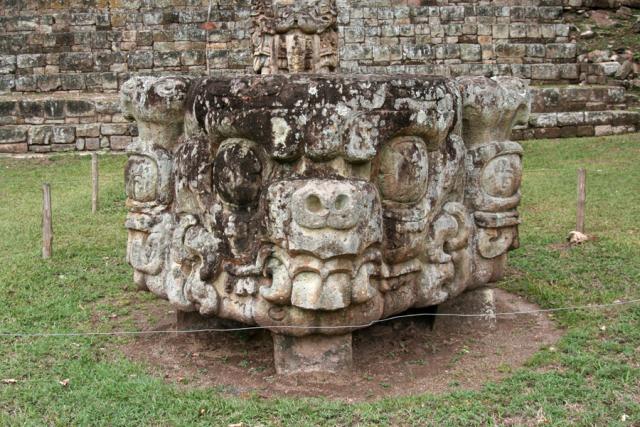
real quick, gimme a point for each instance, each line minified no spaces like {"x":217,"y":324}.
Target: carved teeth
{"x":318,"y":285}
{"x":245,"y":286}
{"x":310,"y":291}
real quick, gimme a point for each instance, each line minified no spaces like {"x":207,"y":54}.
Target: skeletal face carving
{"x":307,"y":200}
{"x":501,"y":176}
{"x":336,"y":183}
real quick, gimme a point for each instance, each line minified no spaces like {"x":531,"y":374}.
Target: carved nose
{"x":315,"y":205}
{"x":326,"y":207}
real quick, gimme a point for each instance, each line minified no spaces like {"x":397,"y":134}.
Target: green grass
{"x":591,"y":377}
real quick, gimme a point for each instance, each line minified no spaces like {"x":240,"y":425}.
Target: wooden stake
{"x":582,"y":198}
{"x":47,"y":225}
{"x":94,"y":181}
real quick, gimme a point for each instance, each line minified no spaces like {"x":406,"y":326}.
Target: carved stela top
{"x":300,"y":201}
{"x":294,"y":36}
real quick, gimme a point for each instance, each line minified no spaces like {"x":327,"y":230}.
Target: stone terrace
{"x":62,"y":62}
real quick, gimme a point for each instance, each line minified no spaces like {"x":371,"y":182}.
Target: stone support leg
{"x":478,"y":301}
{"x":312,"y":353}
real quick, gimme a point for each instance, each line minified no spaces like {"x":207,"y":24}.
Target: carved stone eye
{"x":404,"y":169}
{"x":502,"y":175}
{"x":237,"y":173}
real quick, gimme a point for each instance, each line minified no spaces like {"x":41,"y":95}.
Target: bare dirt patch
{"x":397,"y":358}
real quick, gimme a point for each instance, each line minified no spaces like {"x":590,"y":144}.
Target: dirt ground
{"x":397,"y":358}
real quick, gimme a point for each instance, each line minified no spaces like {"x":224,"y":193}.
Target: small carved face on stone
{"x":494,"y":176}
{"x":501,"y":176}
{"x":493,"y":189}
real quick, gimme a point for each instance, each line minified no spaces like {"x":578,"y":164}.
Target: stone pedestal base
{"x":313,"y":353}
{"x":478,"y":301}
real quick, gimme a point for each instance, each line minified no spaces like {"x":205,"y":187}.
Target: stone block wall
{"x":594,"y":4}
{"x":62,"y":62}
{"x":95,"y":45}
{"x":63,"y":122}
{"x":575,"y":111}
{"x":528,"y":40}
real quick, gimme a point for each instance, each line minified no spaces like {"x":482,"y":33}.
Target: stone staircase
{"x":575,"y":111}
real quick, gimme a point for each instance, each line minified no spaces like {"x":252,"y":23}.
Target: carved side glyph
{"x":491,"y":108}
{"x":157,"y":105}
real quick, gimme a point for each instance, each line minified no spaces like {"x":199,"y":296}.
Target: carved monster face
{"x":299,"y":202}
{"x":322,"y":194}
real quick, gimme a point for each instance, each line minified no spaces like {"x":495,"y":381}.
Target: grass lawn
{"x":592,"y":377}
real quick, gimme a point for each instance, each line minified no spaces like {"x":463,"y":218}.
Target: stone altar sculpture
{"x":313,"y":205}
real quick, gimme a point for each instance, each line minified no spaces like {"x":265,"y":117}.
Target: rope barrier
{"x":117,"y":179}
{"x":254,"y":328}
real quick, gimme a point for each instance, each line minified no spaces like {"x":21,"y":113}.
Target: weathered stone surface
{"x":88,"y":130}
{"x":114,"y":129}
{"x":610,"y":68}
{"x":312,"y":353}
{"x":313,"y":205}
{"x":14,"y":148}
{"x":13,"y":134}
{"x":119,"y":143}
{"x":63,"y":134}
{"x":41,"y":135}
{"x":475,"y":307}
